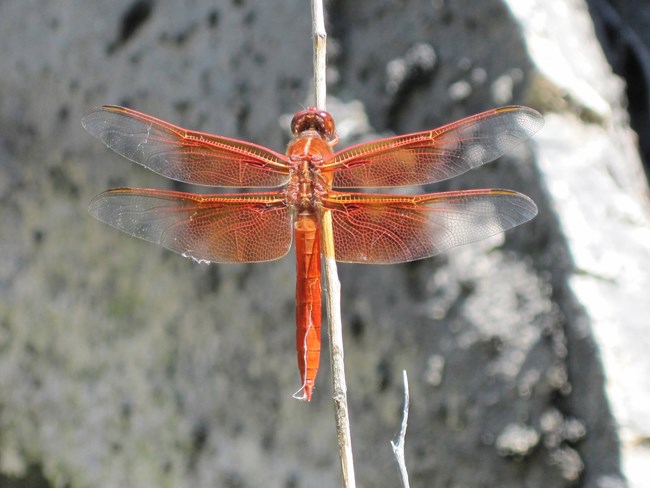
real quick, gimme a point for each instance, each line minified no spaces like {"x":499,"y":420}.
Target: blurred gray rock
{"x":122,"y":364}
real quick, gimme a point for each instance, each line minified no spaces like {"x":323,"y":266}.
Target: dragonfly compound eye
{"x":313,"y":119}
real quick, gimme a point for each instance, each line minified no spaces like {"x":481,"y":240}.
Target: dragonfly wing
{"x":385,"y":229}
{"x":183,"y":155}
{"x":435,"y":155}
{"x":241,"y":228}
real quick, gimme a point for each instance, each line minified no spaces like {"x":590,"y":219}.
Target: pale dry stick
{"x":332,"y":284}
{"x":398,"y":443}
{"x":320,"y":52}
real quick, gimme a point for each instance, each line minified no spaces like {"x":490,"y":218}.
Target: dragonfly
{"x":305,"y":183}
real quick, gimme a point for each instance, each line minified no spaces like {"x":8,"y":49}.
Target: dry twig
{"x":398,"y":443}
{"x":332,"y":284}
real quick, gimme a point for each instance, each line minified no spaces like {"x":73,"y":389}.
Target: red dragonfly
{"x":255,"y":227}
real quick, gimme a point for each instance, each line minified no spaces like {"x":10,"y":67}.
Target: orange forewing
{"x":435,"y":155}
{"x":184,"y":155}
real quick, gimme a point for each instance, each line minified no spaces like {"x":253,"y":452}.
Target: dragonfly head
{"x":314,"y":119}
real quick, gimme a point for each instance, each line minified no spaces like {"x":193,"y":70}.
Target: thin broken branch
{"x":398,"y":443}
{"x":332,"y":284}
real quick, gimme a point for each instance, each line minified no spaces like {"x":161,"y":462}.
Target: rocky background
{"x":124,"y":365}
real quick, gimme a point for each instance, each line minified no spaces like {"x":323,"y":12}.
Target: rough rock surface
{"x":122,"y":364}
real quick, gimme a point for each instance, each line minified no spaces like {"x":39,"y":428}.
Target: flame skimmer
{"x":255,"y":227}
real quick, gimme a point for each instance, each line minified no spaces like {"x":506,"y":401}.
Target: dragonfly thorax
{"x":307,"y":184}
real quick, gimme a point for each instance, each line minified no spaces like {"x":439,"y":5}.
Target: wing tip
{"x":96,"y":203}
{"x":91,"y":117}
{"x":526,"y":209}
{"x":534,"y":119}
{"x":88,"y":119}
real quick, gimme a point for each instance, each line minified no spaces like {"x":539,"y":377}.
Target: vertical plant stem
{"x":319,"y":35}
{"x":398,"y":443}
{"x":332,"y":284}
{"x":339,"y":388}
